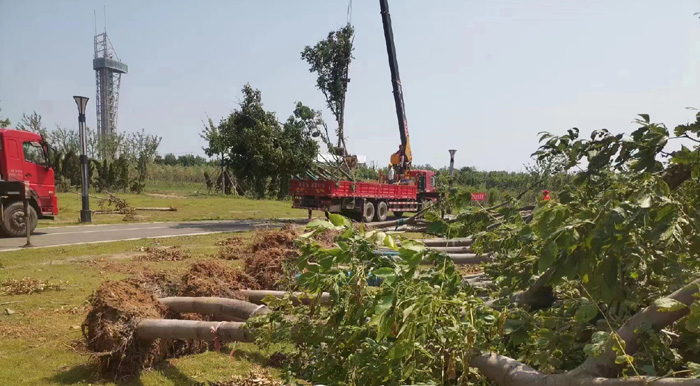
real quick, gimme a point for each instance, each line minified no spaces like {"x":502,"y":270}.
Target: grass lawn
{"x":39,"y":341}
{"x":189,"y":207}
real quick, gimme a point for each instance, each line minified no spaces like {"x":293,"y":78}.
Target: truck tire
{"x":368,"y":213}
{"x":13,"y":223}
{"x":382,"y":210}
{"x":398,"y":214}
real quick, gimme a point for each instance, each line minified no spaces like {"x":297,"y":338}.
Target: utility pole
{"x":452,"y":167}
{"x":85,"y":214}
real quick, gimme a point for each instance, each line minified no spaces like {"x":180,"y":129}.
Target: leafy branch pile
{"x":599,"y":285}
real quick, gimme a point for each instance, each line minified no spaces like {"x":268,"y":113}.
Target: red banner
{"x":478,"y":196}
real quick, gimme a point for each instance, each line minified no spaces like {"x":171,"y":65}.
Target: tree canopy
{"x":330,"y":60}
{"x":262,"y":153}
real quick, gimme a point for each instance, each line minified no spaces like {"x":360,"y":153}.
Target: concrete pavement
{"x":89,"y":234}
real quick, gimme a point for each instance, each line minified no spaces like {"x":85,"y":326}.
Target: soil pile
{"x":214,"y":278}
{"x":160,"y":284}
{"x":326,"y":237}
{"x":269,"y":254}
{"x":116,"y":308}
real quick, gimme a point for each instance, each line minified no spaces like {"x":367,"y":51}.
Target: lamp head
{"x":81,"y":101}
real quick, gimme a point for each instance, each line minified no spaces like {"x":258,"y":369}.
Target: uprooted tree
{"x":598,"y":286}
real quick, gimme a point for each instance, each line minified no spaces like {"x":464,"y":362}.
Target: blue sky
{"x":483,"y":77}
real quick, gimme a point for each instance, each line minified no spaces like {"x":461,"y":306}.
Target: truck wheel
{"x":398,"y":214}
{"x":368,"y":214}
{"x":13,"y":223}
{"x":382,"y":210}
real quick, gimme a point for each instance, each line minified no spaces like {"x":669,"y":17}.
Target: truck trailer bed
{"x":343,"y":189}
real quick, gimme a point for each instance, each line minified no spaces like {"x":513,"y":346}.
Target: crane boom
{"x":405,"y":156}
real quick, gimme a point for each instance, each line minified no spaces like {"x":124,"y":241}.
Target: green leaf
{"x":408,"y":311}
{"x":512,"y":325}
{"x":694,"y":369}
{"x":318,"y":223}
{"x":624,"y":359}
{"x":692,"y":322}
{"x":386,"y":274}
{"x":305,"y":279}
{"x":586,"y":312}
{"x":410,"y":257}
{"x":548,"y":256}
{"x":384,"y":303}
{"x":645,"y":202}
{"x":413,"y":245}
{"x":390,"y":243}
{"x":668,"y":305}
{"x":401,"y":349}
{"x":597,"y":345}
{"x":339,"y":220}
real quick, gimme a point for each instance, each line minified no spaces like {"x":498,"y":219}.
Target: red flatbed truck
{"x":24,"y":161}
{"x":372,"y":200}
{"x":367,"y":201}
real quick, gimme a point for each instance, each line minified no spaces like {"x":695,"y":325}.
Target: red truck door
{"x":14,"y":160}
{"x":36,"y":171}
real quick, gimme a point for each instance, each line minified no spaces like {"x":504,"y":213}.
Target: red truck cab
{"x":24,"y":158}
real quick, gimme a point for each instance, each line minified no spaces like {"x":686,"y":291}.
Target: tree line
{"x":118,"y":162}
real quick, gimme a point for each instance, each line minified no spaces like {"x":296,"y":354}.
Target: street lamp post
{"x":452,"y":167}
{"x":85,"y":214}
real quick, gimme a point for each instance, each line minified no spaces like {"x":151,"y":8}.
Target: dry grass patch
{"x":29,"y":285}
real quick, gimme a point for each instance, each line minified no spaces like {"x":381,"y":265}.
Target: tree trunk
{"x":238,"y":309}
{"x":468,"y":258}
{"x":461,"y":242}
{"x":452,"y":249}
{"x":256,"y":296}
{"x":604,"y":365}
{"x":506,"y":371}
{"x":169,"y":329}
{"x":395,"y":223}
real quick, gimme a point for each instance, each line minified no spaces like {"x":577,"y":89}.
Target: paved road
{"x":86,"y":234}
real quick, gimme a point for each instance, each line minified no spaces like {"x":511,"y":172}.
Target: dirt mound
{"x":283,"y":238}
{"x":269,"y":254}
{"x":214,"y":278}
{"x":234,"y":240}
{"x":163,"y":254}
{"x":116,"y":308}
{"x":264,"y":256}
{"x":326,"y":237}
{"x":160,"y":284}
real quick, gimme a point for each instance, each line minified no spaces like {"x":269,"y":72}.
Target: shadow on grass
{"x":88,"y":373}
{"x":85,"y":373}
{"x":252,"y":356}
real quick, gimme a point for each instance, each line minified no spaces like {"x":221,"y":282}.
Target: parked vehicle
{"x":24,"y":158}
